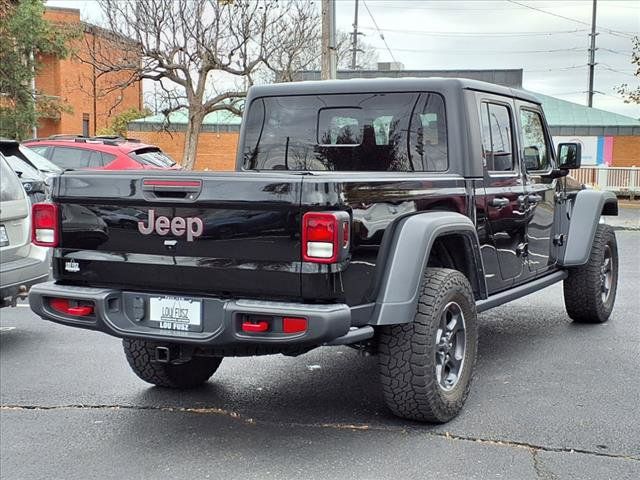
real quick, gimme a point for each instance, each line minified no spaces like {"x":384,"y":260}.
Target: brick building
{"x":78,"y":85}
{"x":217,"y":142}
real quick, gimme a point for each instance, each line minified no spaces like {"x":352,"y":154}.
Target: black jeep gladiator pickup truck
{"x":383,"y":214}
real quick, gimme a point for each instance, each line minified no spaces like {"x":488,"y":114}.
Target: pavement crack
{"x":197,"y":410}
{"x":533,"y":448}
{"x":539,"y":468}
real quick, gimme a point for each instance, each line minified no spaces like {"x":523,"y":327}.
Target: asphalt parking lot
{"x":550,"y":400}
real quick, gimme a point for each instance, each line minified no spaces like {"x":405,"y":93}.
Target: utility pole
{"x":34,"y":94}
{"x":354,"y":42}
{"x":592,"y":55}
{"x":328,"y":40}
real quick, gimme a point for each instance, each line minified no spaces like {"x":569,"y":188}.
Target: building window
{"x":85,"y":124}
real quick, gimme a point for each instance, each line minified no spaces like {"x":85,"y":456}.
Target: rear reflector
{"x":63,"y":305}
{"x":44,"y":224}
{"x":294,"y":325}
{"x":254,"y":327}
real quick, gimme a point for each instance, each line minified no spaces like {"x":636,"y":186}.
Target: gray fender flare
{"x":584,"y":218}
{"x":407,"y":259}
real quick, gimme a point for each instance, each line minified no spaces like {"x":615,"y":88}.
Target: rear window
{"x":355,"y":132}
{"x":10,"y":186}
{"x":153,"y":156}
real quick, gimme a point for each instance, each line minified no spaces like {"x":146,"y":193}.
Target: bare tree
{"x":300,"y":50}
{"x":299,"y":42}
{"x":204,"y":54}
{"x":630,"y":93}
{"x":367,"y":56}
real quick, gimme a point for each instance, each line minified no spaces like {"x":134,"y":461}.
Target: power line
{"x":483,"y":51}
{"x":626,"y":53}
{"x":611,"y":31}
{"x":379,"y":31}
{"x":607,"y":67}
{"x":480,"y":34}
{"x":559,"y":69}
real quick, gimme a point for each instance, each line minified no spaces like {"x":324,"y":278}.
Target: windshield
{"x":347,"y":132}
{"x":154,"y":157}
{"x":22,"y":168}
{"x":38,"y":161}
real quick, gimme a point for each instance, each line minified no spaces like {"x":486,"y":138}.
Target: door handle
{"x":499,"y":202}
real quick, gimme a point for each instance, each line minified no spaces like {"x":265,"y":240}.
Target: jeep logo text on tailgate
{"x":178,"y":226}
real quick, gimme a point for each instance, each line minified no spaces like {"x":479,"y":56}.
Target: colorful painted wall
{"x":607,"y":151}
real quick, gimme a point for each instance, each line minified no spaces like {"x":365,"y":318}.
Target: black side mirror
{"x":569,"y":156}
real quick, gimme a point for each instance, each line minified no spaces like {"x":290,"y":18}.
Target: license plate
{"x":4,"y":238}
{"x":176,"y":313}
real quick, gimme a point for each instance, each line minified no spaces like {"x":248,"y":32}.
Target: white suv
{"x":21,"y":263}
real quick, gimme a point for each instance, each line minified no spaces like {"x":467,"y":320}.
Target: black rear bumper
{"x":221,"y":319}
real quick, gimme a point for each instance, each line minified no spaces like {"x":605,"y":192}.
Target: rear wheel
{"x":141,"y":357}
{"x":426,"y":365}
{"x":590,"y":289}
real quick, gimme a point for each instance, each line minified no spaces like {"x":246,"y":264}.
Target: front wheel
{"x":590,"y":289}
{"x":426,"y":365}
{"x":141,"y":358}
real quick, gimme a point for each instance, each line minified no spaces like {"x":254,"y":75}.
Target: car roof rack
{"x":112,"y":140}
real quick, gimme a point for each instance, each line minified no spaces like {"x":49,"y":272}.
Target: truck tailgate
{"x":210,"y":233}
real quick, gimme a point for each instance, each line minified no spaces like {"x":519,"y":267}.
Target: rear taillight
{"x":45,"y":224}
{"x":325,"y":236}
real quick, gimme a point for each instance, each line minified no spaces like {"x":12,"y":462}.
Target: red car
{"x":101,"y":153}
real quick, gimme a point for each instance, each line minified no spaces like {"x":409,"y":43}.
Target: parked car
{"x":21,"y":263}
{"x":380,"y":214}
{"x":101,"y":153}
{"x":33,"y":170}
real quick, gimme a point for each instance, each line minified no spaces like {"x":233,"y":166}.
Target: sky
{"x":548,"y":39}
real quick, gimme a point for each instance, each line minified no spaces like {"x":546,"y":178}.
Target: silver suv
{"x":21,"y":263}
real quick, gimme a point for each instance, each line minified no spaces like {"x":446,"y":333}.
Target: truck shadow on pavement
{"x":340,"y":386}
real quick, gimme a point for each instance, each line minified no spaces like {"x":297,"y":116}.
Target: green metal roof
{"x":563,"y":117}
{"x":220,"y":117}
{"x":560,"y":113}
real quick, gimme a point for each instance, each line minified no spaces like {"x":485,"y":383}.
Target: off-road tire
{"x":407,"y":352}
{"x":141,"y":354}
{"x":583,"y":288}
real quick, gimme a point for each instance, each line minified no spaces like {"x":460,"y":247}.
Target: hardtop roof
{"x":380,"y":85}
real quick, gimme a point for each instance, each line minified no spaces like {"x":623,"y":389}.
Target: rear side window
{"x":72,"y":158}
{"x":346,"y":132}
{"x":10,"y":186}
{"x":429,"y":134}
{"x":497,"y":137}
{"x":107,"y":158}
